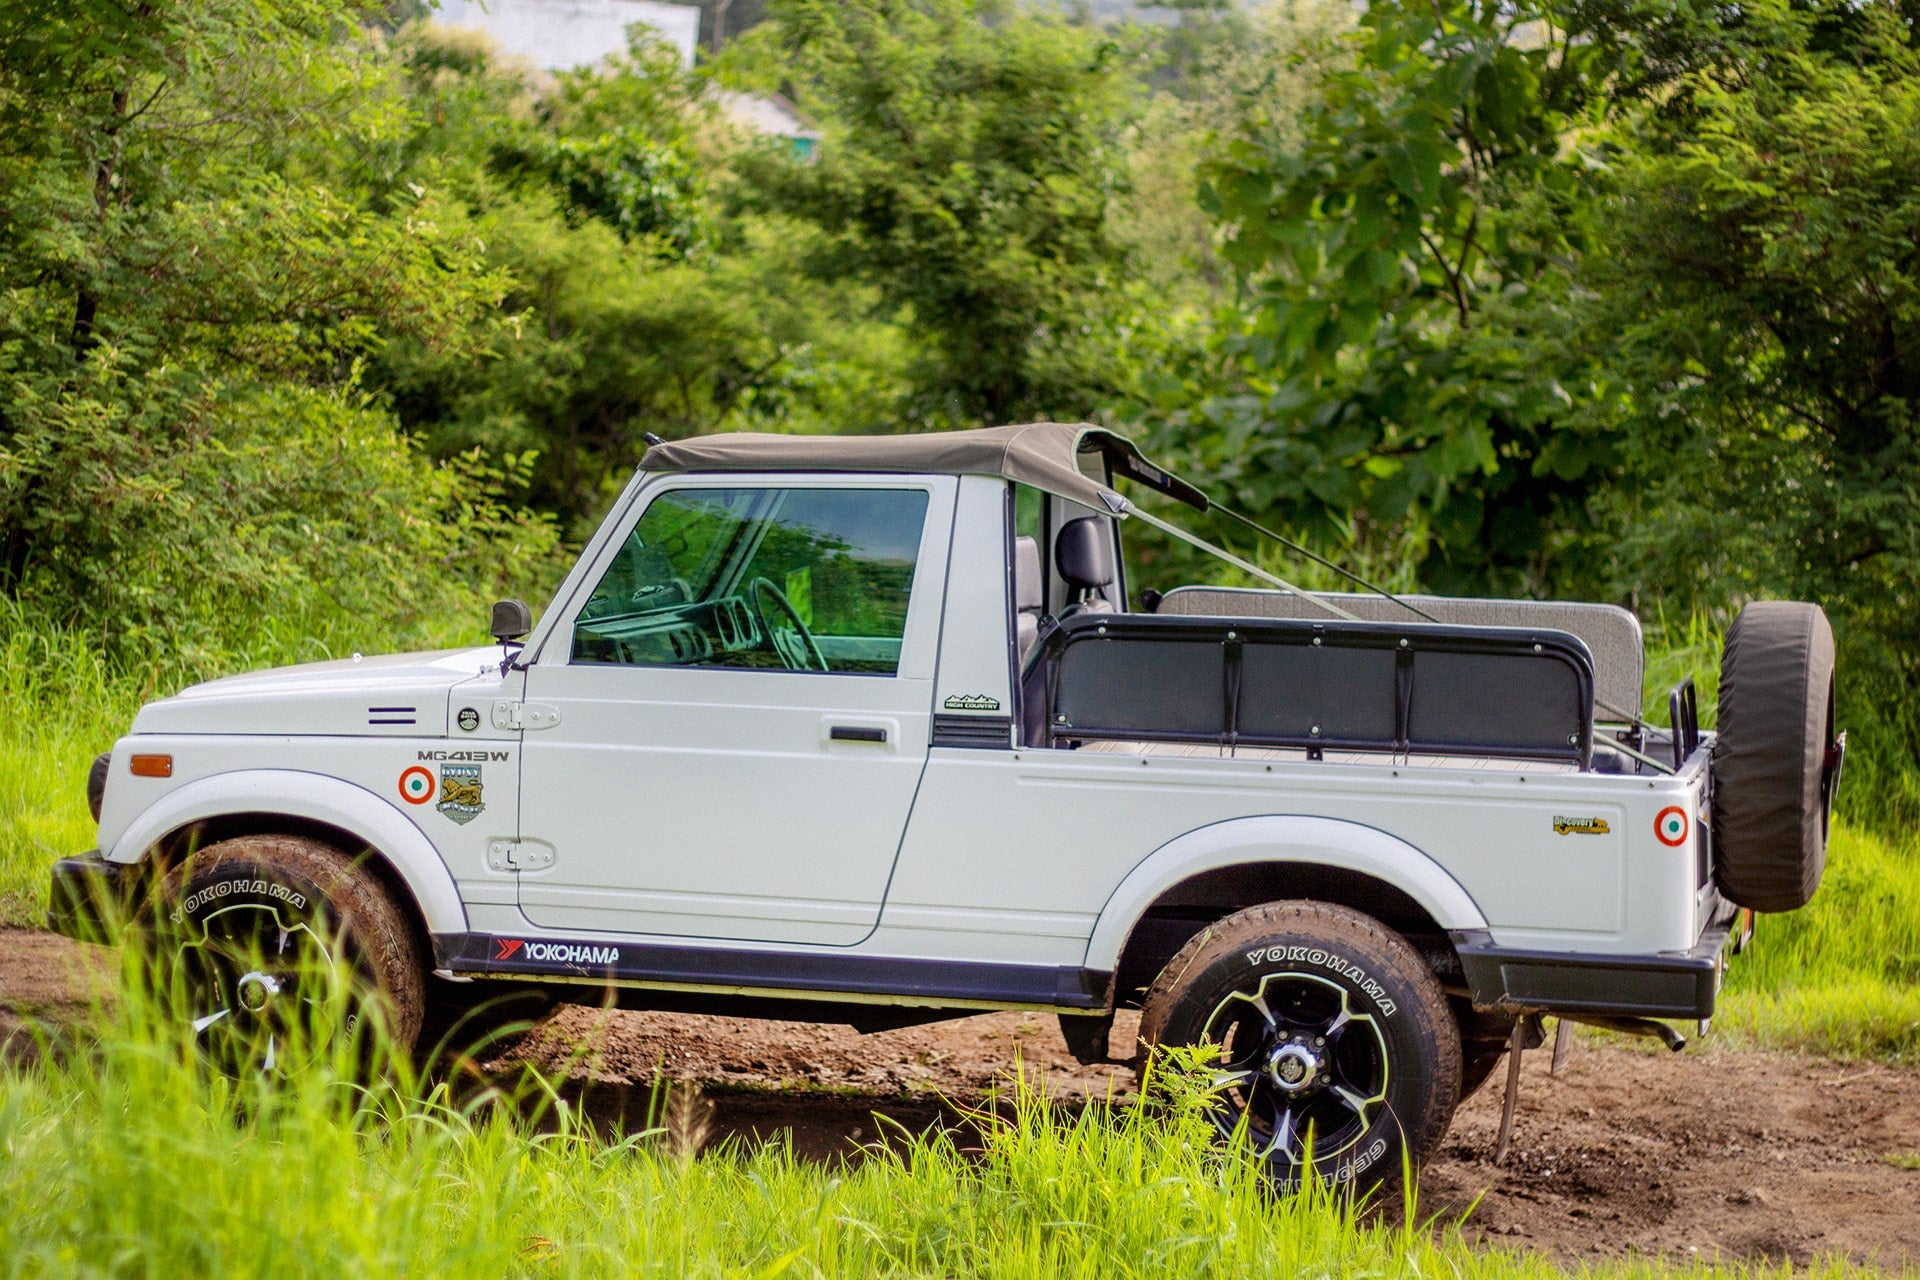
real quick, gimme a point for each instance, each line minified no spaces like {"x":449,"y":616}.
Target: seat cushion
{"x":1083,"y":552}
{"x":1028,"y":591}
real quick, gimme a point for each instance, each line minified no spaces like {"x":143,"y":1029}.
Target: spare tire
{"x":1774,"y":756}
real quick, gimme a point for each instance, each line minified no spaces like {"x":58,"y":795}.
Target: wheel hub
{"x":1300,"y":1067}
{"x":255,"y":991}
{"x":1295,"y":1067}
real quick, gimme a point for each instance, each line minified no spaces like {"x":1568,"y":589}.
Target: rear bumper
{"x":90,"y":897}
{"x":1666,"y":985}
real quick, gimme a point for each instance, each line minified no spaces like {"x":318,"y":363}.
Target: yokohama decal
{"x":1670,"y":826}
{"x":554,"y":952}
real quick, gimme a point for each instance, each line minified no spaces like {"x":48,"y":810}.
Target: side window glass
{"x":785,"y":579}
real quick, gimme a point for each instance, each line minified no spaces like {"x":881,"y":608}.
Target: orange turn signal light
{"x":151,"y":766}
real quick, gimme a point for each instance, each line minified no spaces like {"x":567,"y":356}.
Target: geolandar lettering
{"x":1348,"y":1170}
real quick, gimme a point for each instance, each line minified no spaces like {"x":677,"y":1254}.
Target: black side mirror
{"x":511,"y":620}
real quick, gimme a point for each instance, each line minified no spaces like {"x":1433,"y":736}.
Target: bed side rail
{"x":1611,"y":634}
{"x":1350,"y":686}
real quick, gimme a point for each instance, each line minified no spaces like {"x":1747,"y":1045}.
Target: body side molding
{"x":1279,"y":838}
{"x":317,"y":798}
{"x":828,"y":975}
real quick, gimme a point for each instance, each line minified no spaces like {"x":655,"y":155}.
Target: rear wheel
{"x":1337,"y":1050}
{"x":277,"y":949}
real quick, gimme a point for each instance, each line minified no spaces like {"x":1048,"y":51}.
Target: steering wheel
{"x":795,"y":644}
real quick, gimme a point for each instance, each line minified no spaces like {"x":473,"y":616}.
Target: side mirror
{"x":511,"y":620}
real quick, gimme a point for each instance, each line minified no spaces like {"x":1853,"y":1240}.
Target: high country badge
{"x":971,"y":702}
{"x":460,"y":794}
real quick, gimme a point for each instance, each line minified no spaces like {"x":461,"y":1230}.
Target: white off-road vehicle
{"x":872,"y":731}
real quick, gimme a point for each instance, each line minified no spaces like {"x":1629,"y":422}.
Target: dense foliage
{"x":1605,"y":299}
{"x":309,"y":312}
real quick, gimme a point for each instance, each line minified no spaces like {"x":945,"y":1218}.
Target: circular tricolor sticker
{"x":1670,"y":825}
{"x":416,"y":785}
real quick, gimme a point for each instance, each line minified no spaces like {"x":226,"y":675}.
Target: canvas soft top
{"x":1046,"y":455}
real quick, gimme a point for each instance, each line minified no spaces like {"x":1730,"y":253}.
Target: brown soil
{"x":1630,"y":1150}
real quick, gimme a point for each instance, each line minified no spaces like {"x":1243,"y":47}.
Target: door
{"x":743,"y":705}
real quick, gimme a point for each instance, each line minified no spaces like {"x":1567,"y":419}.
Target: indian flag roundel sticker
{"x":1670,"y":826}
{"x":416,"y":785}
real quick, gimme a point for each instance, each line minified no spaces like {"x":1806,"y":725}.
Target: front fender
{"x":1325,"y":842}
{"x":317,"y":798}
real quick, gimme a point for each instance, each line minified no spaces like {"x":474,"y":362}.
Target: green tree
{"x":970,"y":160}
{"x":1385,"y":242}
{"x":184,"y":313}
{"x":1758,"y":307}
{"x":641,"y":299}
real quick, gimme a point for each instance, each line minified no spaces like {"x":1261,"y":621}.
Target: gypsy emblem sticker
{"x":416,"y":785}
{"x":1670,"y":826}
{"x":460,"y":792}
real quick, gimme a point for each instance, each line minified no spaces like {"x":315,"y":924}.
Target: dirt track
{"x":1739,"y":1155}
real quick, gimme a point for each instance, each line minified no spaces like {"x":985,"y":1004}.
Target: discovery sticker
{"x":416,"y":785}
{"x":460,"y":792}
{"x":1580,"y":826}
{"x":1670,"y":826}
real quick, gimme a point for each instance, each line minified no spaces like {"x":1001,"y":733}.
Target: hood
{"x":392,"y":695}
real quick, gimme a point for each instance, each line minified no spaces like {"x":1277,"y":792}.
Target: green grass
{"x":62,"y":704}
{"x":61,"y":707}
{"x":128,"y":1161}
{"x":1842,"y":975}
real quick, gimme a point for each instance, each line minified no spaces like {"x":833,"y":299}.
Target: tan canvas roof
{"x":1045,"y":455}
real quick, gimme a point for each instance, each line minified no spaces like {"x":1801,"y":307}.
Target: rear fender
{"x":1325,"y":842}
{"x":316,"y":798}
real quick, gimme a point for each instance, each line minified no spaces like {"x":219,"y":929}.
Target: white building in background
{"x":561,"y":34}
{"x":770,"y":116}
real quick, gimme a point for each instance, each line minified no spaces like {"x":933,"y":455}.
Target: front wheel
{"x":1338,"y":1053}
{"x":276,"y":949}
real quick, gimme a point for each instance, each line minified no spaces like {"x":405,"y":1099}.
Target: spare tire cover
{"x":1770,"y":786}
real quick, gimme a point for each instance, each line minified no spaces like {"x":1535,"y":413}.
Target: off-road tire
{"x":1772,"y":784}
{"x":310,"y":886}
{"x":1301,"y":955}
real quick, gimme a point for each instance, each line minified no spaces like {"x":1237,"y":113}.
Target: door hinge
{"x":518,"y":855}
{"x":525,"y":715}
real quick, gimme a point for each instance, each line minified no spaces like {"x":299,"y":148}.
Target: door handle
{"x":856,"y":733}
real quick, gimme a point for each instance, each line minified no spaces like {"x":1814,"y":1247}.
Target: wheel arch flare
{"x":1218,"y":869}
{"x":259,"y":801}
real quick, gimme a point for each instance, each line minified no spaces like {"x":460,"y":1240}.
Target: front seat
{"x":1083,"y":552}
{"x":1029,"y":594}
